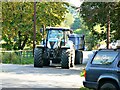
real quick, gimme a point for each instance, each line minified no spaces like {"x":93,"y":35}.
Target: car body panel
{"x":97,"y":72}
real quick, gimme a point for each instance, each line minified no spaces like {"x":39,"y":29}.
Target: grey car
{"x":103,"y":71}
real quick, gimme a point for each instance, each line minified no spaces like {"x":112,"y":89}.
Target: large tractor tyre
{"x":65,"y":59}
{"x":78,"y":57}
{"x":38,"y":61}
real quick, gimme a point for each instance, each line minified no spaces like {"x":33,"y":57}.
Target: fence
{"x":17,"y":57}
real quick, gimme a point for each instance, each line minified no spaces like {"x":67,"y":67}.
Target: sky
{"x":76,"y":3}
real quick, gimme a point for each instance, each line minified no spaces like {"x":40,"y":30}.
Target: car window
{"x":104,"y":57}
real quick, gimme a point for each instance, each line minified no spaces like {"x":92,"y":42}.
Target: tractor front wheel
{"x":78,"y":57}
{"x":38,"y":61}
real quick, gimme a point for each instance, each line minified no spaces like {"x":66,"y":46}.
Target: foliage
{"x":115,"y":25}
{"x":95,"y":13}
{"x":76,"y":24}
{"x":83,"y":88}
{"x":81,"y":28}
{"x":17,"y":25}
{"x":82,"y":73}
{"x":10,"y":57}
{"x":68,"y":20}
{"x":15,"y":58}
{"x":0,"y":57}
{"x":18,"y":21}
{"x":51,"y":13}
{"x":25,"y":60}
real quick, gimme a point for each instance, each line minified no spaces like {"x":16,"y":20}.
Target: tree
{"x":103,"y":13}
{"x":68,"y":20}
{"x":18,"y":21}
{"x":76,"y":24}
{"x":17,"y":24}
{"x":115,"y":25}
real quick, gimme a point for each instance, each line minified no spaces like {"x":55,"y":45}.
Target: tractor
{"x":60,"y":46}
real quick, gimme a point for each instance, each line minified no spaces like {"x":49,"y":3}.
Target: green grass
{"x":82,"y":74}
{"x":83,"y":88}
{"x":27,"y":60}
{"x":19,"y":61}
{"x":13,"y":58}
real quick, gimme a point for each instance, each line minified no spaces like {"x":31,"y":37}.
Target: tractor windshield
{"x":55,"y":34}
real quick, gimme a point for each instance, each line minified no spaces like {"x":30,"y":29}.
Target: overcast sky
{"x":76,"y":3}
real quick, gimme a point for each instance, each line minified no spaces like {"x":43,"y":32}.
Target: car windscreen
{"x":104,"y":57}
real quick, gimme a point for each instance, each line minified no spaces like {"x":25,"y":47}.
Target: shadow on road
{"x":46,"y":89}
{"x":30,"y":69}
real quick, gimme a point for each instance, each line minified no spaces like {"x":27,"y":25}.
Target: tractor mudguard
{"x":40,"y":46}
{"x":64,"y":47}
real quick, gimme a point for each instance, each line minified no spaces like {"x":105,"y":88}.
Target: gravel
{"x":26,"y":76}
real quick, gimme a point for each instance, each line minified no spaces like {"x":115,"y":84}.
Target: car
{"x":102,"y":72}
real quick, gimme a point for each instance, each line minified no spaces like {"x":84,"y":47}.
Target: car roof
{"x":117,"y":50}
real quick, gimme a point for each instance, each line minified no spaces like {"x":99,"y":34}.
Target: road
{"x":26,"y":76}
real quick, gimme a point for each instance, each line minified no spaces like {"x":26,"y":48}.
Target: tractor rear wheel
{"x":65,"y":59}
{"x":38,"y":61}
{"x":78,"y":57}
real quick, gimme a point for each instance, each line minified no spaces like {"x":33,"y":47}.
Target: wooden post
{"x":34,"y":31}
{"x":108,"y":31}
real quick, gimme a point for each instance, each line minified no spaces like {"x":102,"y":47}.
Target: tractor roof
{"x":58,"y":28}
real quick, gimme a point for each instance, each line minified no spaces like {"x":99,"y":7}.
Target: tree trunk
{"x":108,"y":32}
{"x":19,"y":42}
{"x":34,"y":31}
{"x":24,"y":43}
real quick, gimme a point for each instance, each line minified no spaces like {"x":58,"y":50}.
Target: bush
{"x":28,"y":60}
{"x":10,"y":57}
{"x":82,"y":72}
{"x":16,"y":58}
{"x":0,"y":57}
{"x":83,"y":88}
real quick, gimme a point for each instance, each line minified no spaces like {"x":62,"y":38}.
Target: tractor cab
{"x":56,"y":37}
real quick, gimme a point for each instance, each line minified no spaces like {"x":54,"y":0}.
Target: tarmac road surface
{"x":26,"y":76}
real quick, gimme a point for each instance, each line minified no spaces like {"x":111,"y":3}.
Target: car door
{"x":101,"y":64}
